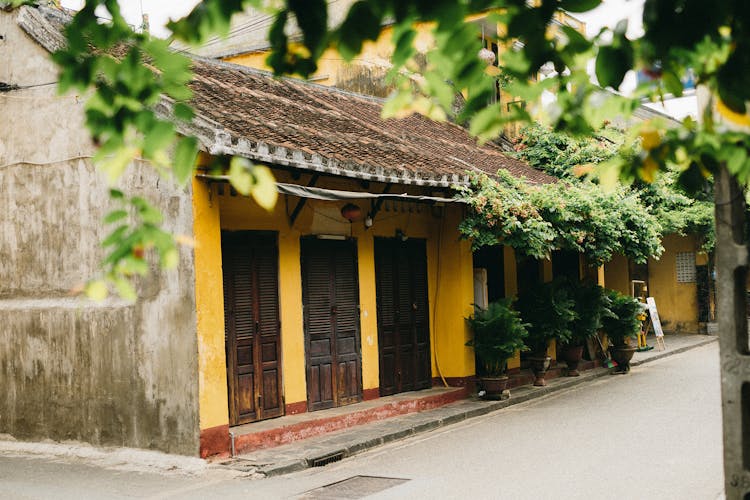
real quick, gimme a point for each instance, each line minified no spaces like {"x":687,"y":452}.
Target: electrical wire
{"x":435,"y":302}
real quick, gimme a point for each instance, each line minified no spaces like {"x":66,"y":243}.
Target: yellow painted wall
{"x":617,"y":275}
{"x":677,"y":302}
{"x":450,"y":283}
{"x":212,"y":381}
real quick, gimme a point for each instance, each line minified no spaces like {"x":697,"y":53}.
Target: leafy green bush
{"x":592,"y":305}
{"x":549,"y":310}
{"x":624,"y":323}
{"x":535,"y":220}
{"x":498,"y":334}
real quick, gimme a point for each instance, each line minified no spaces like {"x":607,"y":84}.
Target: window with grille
{"x":686,"y":267}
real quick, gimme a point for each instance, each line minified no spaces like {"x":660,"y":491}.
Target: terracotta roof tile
{"x":254,"y":106}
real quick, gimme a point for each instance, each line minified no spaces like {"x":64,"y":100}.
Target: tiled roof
{"x":290,"y":122}
{"x":320,"y":128}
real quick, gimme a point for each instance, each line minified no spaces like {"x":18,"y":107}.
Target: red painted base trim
{"x":457,"y":381}
{"x":215,"y":441}
{"x":245,"y":443}
{"x":369,"y":394}
{"x":295,"y":408}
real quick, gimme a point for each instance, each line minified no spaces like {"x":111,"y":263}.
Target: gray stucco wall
{"x":108,"y":373}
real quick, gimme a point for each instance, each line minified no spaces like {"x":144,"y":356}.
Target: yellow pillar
{"x":212,"y":381}
{"x":292,"y":337}
{"x":511,"y":289}
{"x":452,"y":302}
{"x":368,"y":312}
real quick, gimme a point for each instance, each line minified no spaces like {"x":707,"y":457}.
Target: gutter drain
{"x":327,"y":459}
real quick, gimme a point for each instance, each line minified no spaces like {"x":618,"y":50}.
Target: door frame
{"x":397,"y":348}
{"x":358,"y":336}
{"x":230,"y":351}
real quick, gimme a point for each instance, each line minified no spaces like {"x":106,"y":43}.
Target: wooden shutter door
{"x":403,"y":315}
{"x":346,"y":324}
{"x":331,"y":311}
{"x":385,"y":282}
{"x":420,"y":315}
{"x":252,"y":329}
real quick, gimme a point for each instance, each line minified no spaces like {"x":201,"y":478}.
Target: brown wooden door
{"x":252,"y":328}
{"x":330,"y":295}
{"x":403,"y":315}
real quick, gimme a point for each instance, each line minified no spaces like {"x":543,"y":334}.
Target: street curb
{"x":447,"y":415}
{"x":679,"y":350}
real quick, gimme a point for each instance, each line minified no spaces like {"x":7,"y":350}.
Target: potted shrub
{"x":498,"y":334}
{"x":591,"y":305}
{"x":621,"y":327}
{"x":549,"y":310}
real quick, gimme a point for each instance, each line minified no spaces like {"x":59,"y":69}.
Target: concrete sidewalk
{"x":332,"y":447}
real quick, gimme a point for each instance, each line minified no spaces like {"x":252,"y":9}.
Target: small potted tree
{"x":549,"y":310}
{"x":498,"y":334}
{"x":592,"y":305}
{"x":622,"y":327}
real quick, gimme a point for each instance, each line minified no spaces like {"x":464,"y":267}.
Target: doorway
{"x":403,"y":315}
{"x":330,"y":298}
{"x":251,"y":325}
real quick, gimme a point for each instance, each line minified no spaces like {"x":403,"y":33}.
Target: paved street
{"x":652,"y":434}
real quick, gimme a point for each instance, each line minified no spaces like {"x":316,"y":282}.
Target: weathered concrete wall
{"x":109,"y":373}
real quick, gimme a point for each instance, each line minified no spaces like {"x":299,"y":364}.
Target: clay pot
{"x":539,"y":365}
{"x":572,"y":356}
{"x":622,"y":356}
{"x":494,"y":386}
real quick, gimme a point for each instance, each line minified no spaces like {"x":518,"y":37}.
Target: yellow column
{"x":212,"y":382}
{"x":511,"y":289}
{"x":368,"y":312}
{"x":454,"y":284}
{"x":292,"y":330}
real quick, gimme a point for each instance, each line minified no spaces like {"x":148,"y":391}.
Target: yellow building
{"x":678,"y":281}
{"x":357,"y":284}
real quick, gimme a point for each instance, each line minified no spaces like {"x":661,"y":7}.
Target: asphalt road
{"x":652,"y":434}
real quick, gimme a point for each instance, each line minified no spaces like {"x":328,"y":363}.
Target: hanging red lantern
{"x":351,"y":212}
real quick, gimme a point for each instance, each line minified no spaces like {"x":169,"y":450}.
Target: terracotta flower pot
{"x":539,"y":365}
{"x":622,"y":356}
{"x":493,"y":386}
{"x":572,"y":355}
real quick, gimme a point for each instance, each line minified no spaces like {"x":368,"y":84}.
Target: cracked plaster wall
{"x":108,"y":373}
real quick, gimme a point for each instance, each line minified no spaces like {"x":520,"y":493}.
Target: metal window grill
{"x":686,"y":267}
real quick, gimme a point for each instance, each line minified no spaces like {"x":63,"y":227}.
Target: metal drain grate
{"x":327,"y":459}
{"x":353,"y":488}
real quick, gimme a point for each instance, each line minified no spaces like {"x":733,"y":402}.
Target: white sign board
{"x":654,"y":316}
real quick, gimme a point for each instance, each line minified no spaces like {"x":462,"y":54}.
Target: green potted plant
{"x":591,"y":305}
{"x":498,"y":334}
{"x":549,"y":310}
{"x":621,"y":327}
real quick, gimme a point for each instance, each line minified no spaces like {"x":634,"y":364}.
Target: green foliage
{"x":549,"y":310}
{"x":501,"y":212}
{"x":137,"y":234}
{"x":565,"y":157}
{"x":623,"y":324}
{"x":535,"y":220}
{"x":592,"y":305}
{"x":559,"y":154}
{"x":498,"y":334}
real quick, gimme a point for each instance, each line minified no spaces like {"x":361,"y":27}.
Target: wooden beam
{"x":302,"y":201}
